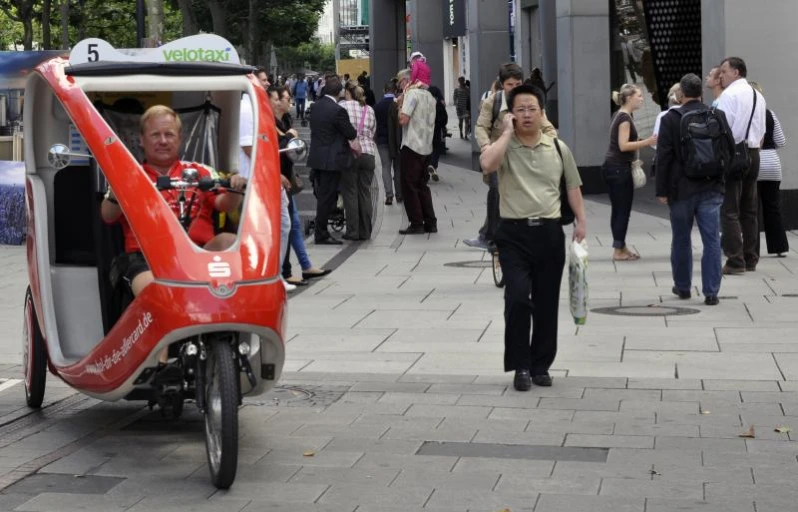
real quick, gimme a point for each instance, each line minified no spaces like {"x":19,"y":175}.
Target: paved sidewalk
{"x":393,"y":398}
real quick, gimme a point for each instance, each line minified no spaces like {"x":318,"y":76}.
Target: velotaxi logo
{"x":196,"y":55}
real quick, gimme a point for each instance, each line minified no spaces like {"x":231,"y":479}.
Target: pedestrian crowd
{"x":716,"y":167}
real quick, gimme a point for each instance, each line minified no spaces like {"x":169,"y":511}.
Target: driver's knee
{"x":221,"y":242}
{"x":138,"y":283}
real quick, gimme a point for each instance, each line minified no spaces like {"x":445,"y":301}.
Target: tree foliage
{"x":313,"y":55}
{"x":278,"y":23}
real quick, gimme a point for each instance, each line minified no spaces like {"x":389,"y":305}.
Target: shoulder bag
{"x":741,"y":162}
{"x":566,"y":213}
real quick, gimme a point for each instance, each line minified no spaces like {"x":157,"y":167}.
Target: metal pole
{"x":140,"y":23}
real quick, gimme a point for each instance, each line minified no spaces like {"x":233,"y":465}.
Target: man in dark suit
{"x":696,"y":198}
{"x":330,"y":131}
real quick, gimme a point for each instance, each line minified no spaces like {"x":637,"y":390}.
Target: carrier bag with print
{"x":577,"y":280}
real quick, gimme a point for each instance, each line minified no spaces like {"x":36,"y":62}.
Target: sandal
{"x":627,"y":257}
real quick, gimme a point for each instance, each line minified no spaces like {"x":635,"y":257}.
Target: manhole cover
{"x":469,"y":264}
{"x":295,"y":396}
{"x":653,"y":310}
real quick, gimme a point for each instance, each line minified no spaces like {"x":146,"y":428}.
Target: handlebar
{"x":204,"y":184}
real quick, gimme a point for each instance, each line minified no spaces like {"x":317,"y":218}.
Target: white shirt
{"x":736,"y":102}
{"x":659,"y":121}
{"x":246,"y":135}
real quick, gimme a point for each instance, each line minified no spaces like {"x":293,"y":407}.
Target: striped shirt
{"x":769,"y":162}
{"x":366,"y":134}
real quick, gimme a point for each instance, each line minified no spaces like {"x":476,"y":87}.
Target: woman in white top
{"x":356,"y":182}
{"x":768,"y":184}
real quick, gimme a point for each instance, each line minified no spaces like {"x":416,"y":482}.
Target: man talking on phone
{"x":530,"y":237}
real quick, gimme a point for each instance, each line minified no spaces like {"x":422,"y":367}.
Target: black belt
{"x":531,"y":222}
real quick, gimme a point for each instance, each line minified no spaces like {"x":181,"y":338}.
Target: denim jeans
{"x":618,"y":178}
{"x":705,"y":209}
{"x":296,"y":241}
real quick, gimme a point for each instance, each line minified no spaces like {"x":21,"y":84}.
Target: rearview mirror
{"x":296,"y":150}
{"x":60,"y":156}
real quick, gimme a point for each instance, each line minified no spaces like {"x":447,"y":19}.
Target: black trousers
{"x":532,"y":260}
{"x":770,"y":206}
{"x":738,"y":216}
{"x":415,"y":191}
{"x":326,"y":184}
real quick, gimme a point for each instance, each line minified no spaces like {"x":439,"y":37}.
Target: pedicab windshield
{"x":207,"y":137}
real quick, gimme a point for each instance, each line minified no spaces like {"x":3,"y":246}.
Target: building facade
{"x":587,"y":48}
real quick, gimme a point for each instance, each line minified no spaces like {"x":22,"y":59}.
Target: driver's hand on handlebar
{"x":238,"y":182}
{"x":285,"y":182}
{"x":293,"y":133}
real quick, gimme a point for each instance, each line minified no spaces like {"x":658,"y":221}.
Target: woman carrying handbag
{"x":618,"y":163}
{"x":356,"y":182}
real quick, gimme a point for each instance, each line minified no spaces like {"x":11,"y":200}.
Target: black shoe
{"x":388,"y":201}
{"x":329,"y":241}
{"x":750,"y":269}
{"x":350,"y":238}
{"x":681,"y":294}
{"x":412,"y":230}
{"x":711,"y":300}
{"x":542,"y":380}
{"x":399,"y":199}
{"x":431,"y":228}
{"x":313,"y":275}
{"x":522,"y":381}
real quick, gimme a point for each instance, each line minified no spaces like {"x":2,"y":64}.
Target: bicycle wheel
{"x":498,"y":276}
{"x":221,"y":413}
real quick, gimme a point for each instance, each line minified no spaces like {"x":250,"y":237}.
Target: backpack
{"x":497,"y":106}
{"x":706,"y":143}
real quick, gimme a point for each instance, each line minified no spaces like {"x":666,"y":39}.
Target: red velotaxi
{"x":214,"y":318}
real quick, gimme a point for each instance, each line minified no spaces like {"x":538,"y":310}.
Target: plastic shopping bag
{"x":577,"y":279}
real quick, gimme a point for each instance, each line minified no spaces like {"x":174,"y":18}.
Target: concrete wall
{"x":489,"y":47}
{"x":764,"y":35}
{"x":583,"y":81}
{"x":387,"y":36}
{"x":426,"y":22}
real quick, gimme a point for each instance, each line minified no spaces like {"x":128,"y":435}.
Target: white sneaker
{"x":433,"y":172}
{"x":477,"y":243}
{"x":288,"y":286}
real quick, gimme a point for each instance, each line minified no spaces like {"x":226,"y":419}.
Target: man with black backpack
{"x":694,"y":152}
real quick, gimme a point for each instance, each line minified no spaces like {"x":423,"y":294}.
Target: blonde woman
{"x":617,"y":168}
{"x":356,"y":182}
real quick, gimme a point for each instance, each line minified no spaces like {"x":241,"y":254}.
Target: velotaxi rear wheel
{"x":221,"y":413}
{"x":34,"y":355}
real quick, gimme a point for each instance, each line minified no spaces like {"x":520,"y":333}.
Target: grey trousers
{"x":389,"y":184}
{"x":356,"y":192}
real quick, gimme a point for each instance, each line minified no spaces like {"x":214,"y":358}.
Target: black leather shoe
{"x":522,"y":381}
{"x":412,"y":230}
{"x":681,"y":294}
{"x":542,"y":380}
{"x":711,"y":300}
{"x":430,"y":228}
{"x":329,"y":241}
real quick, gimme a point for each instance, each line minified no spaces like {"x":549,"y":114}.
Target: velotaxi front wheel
{"x":221,"y":413}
